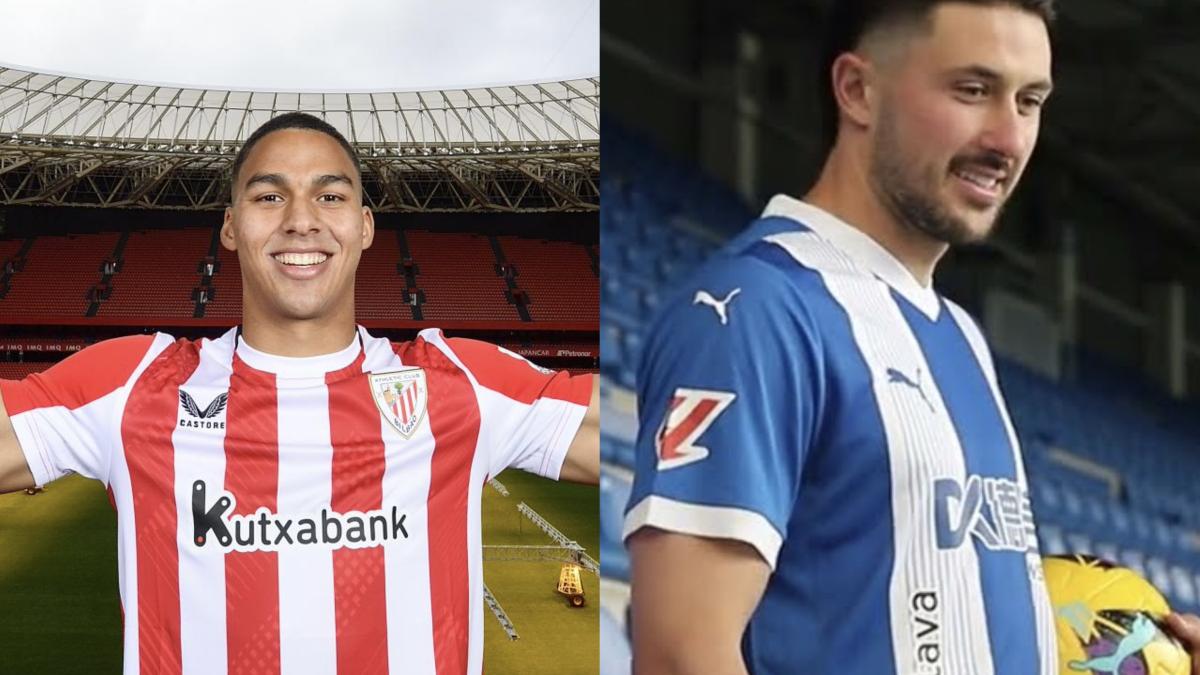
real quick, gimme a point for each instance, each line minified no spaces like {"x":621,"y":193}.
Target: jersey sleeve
{"x":530,"y":414}
{"x":67,"y":418}
{"x":728,"y":394}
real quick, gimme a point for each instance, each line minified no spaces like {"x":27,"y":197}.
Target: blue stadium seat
{"x":1107,"y":551}
{"x":615,"y":655}
{"x":1159,"y":574}
{"x":611,"y":355}
{"x":1184,"y":588}
{"x":614,"y":493}
{"x":1050,"y":539}
{"x":1079,"y":542}
{"x":1134,"y":560}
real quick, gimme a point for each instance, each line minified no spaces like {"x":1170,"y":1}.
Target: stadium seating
{"x":158,"y":272}
{"x":1112,"y":464}
{"x":57,"y":275}
{"x":457,"y":273}
{"x":542,"y":266}
{"x":8,"y":249}
{"x":380,"y":291}
{"x":227,"y":284}
{"x":160,"y":269}
{"x":15,"y":370}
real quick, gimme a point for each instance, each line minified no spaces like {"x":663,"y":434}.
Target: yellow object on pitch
{"x":1108,"y":620}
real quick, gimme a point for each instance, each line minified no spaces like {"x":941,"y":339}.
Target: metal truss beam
{"x":505,"y":179}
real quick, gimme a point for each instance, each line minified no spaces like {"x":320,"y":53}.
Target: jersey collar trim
{"x":297,"y":367}
{"x":862,"y":249}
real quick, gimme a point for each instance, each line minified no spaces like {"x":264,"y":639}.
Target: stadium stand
{"x":15,"y":370}
{"x":1111,"y":459}
{"x":456,"y":278}
{"x":380,"y":284}
{"x":541,"y":266}
{"x":153,"y":285}
{"x":57,"y":275}
{"x":8,"y":249}
{"x":227,"y":287}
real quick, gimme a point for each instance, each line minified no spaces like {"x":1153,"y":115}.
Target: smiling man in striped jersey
{"x":276,"y":512}
{"x":826,"y":452}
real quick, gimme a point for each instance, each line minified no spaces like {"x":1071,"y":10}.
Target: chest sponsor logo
{"x":211,"y":416}
{"x":995,"y":511}
{"x":690,"y":413}
{"x":267,"y":531}
{"x":401,"y":397}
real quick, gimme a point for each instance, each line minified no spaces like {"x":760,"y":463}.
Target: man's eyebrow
{"x":330,"y":178}
{"x":267,"y":178}
{"x":985,"y":73}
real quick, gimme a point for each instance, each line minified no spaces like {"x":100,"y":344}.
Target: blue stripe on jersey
{"x":828,"y":599}
{"x":987,"y":454}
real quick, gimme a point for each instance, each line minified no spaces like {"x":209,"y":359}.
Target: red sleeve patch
{"x":80,"y":378}
{"x":509,"y":374}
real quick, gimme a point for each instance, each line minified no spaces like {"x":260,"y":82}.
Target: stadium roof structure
{"x":68,"y":140}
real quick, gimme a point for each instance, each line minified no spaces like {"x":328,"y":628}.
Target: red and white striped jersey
{"x":297,"y":515}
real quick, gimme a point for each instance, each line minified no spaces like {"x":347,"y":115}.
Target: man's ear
{"x":368,"y":228}
{"x":854,"y":88}
{"x":227,"y":238}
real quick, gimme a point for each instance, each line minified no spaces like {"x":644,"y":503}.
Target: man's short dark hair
{"x":292,"y":120}
{"x":851,"y":20}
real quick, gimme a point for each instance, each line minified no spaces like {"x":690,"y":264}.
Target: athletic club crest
{"x":401,"y":396}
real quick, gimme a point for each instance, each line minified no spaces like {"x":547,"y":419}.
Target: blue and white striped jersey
{"x":805,"y":395}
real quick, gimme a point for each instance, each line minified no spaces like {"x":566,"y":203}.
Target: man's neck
{"x":310,"y":337}
{"x":844,"y":190}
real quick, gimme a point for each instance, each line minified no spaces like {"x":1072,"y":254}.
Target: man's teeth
{"x":301,"y":258}
{"x":985,"y":182}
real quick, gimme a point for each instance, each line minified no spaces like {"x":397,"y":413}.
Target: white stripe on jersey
{"x":307,"y":634}
{"x":479,"y":475}
{"x":922,"y":447}
{"x":406,"y":477}
{"x":1042,"y":611}
{"x":119,"y":482}
{"x":200,"y":455}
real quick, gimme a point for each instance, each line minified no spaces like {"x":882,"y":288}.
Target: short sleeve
{"x":530,"y":414}
{"x":67,"y":417}
{"x":728,"y":393}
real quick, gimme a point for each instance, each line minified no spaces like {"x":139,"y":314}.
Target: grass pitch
{"x":58,"y":581}
{"x":555,"y":638}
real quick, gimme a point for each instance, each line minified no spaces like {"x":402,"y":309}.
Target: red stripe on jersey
{"x":146,"y":427}
{"x":359,"y":594}
{"x":516,"y":378}
{"x":454,"y":420}
{"x":252,"y":476}
{"x":78,"y":379}
{"x":673,"y":437}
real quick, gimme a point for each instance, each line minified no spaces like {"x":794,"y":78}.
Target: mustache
{"x":988,"y":159}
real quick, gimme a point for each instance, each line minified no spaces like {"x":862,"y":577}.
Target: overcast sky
{"x":301,"y":45}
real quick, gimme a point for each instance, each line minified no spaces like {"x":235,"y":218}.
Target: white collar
{"x":866,"y":253}
{"x":297,"y":366}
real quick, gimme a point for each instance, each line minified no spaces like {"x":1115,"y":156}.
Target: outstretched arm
{"x":582,"y":464}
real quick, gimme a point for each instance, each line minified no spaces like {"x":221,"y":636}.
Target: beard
{"x":911,"y":196}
